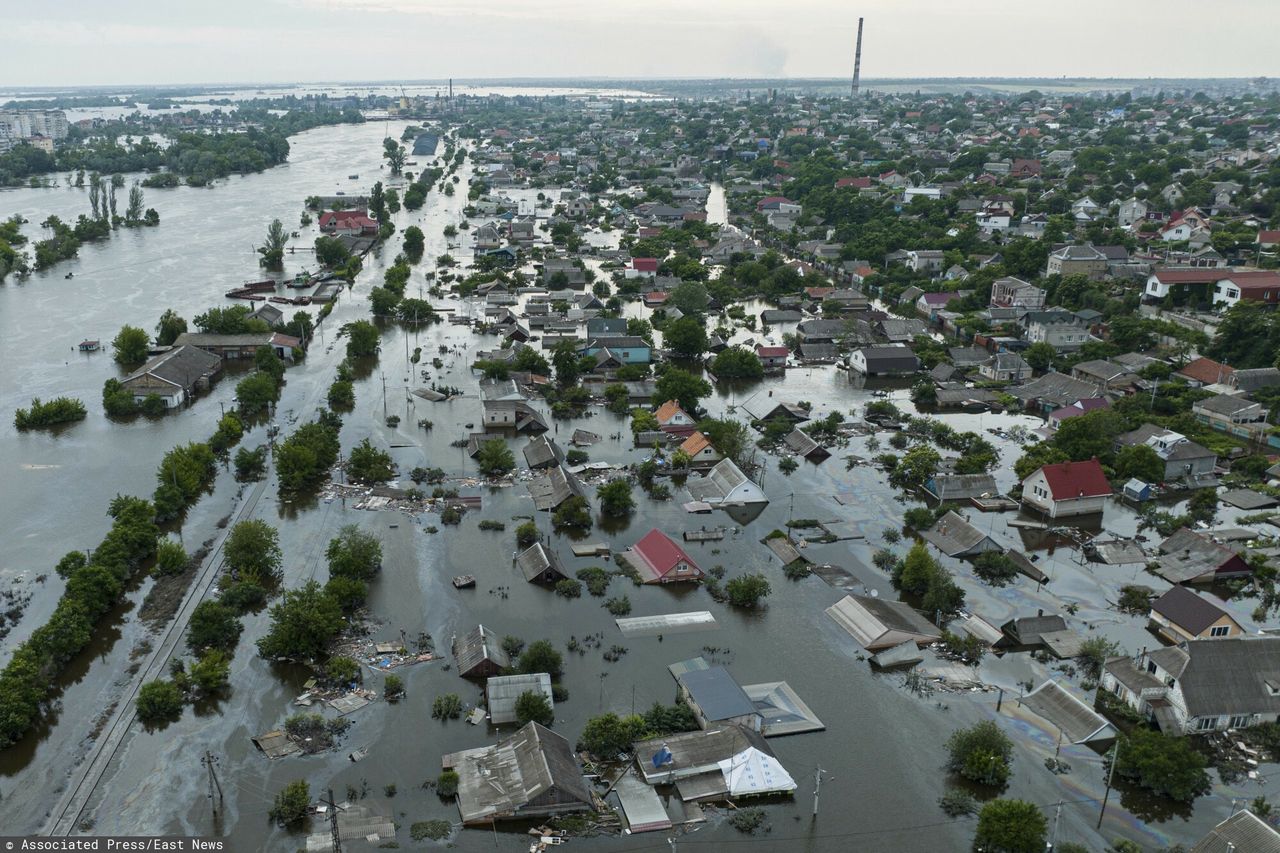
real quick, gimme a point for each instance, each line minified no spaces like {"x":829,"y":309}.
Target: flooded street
{"x":882,"y":747}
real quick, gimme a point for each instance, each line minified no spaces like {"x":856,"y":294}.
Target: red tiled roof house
{"x":1066,"y":489}
{"x":659,"y":559}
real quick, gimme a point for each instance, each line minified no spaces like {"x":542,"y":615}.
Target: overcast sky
{"x":107,"y":42}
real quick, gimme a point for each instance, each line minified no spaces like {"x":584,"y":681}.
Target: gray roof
{"x":774,"y":316}
{"x":475,"y":648}
{"x":1225,"y":404}
{"x":876,"y":623}
{"x":541,"y":452}
{"x":903,"y":329}
{"x":1231,"y":676}
{"x":555,"y":487}
{"x":802,"y":444}
{"x":961,"y":486}
{"x":818,"y":352}
{"x":1243,"y":832}
{"x":184,"y":366}
{"x":1187,"y":556}
{"x":1057,"y":389}
{"x":502,"y":691}
{"x":890,"y":358}
{"x":206,"y":339}
{"x":956,"y":537}
{"x":1187,"y":610}
{"x":536,"y":561}
{"x":1079,"y":722}
{"x":696,"y":752}
{"x":968,"y":356}
{"x":1251,"y":379}
{"x":716,"y":693}
{"x":1028,"y":630}
{"x":532,"y":773}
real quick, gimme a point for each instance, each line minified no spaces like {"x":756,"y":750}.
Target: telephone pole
{"x":817,"y":787}
{"x":208,"y":760}
{"x":1115,"y":759}
{"x":333,"y":824}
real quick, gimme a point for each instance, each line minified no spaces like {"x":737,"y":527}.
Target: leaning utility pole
{"x":208,"y":761}
{"x":1111,"y":772}
{"x":857,"y":60}
{"x":333,"y":824}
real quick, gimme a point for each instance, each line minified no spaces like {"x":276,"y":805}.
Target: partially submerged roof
{"x":1078,"y":722}
{"x":1187,"y":610}
{"x":956,"y":537}
{"x":725,"y":484}
{"x":669,"y":623}
{"x":532,"y":773}
{"x":537,"y":562}
{"x":555,"y":487}
{"x":716,"y":693}
{"x":782,"y":709}
{"x":475,"y":648}
{"x":641,"y":805}
{"x":1243,"y":832}
{"x":697,"y":752}
{"x":542,"y":452}
{"x":879,"y":624}
{"x":502,"y":691}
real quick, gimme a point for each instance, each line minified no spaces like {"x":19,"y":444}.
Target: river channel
{"x":881,"y":751}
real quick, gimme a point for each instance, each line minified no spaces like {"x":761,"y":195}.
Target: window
{"x":1204,"y":724}
{"x":1219,"y":630}
{"x":1151,"y":667}
{"x":1240,"y":721}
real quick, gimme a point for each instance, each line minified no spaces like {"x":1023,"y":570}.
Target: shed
{"x":1027,"y":631}
{"x":542,"y":452}
{"x":801,"y":444}
{"x":502,"y":691}
{"x":540,"y":564}
{"x":878,"y":624}
{"x":1136,"y":490}
{"x":1079,"y":723}
{"x":479,"y":654}
{"x":641,"y":805}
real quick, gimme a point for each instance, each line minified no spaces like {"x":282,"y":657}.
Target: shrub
{"x":526,"y":534}
{"x":749,"y":820}
{"x":171,"y":558}
{"x":576,"y":457}
{"x":541,"y":656}
{"x":490,"y":524}
{"x":995,"y":568}
{"x":619,"y":606}
{"x":446,"y":707}
{"x":158,"y":702}
{"x":341,"y":670}
{"x":981,"y":753}
{"x":433,"y":830}
{"x":569,"y":588}
{"x":60,"y":410}
{"x":250,"y":465}
{"x":957,"y":802}
{"x":608,"y":734}
{"x":596,"y":579}
{"x":392,"y":688}
{"x":747,"y":590}
{"x":342,"y":396}
{"x":1094,"y":653}
{"x":354,"y":554}
{"x":512,"y":646}
{"x":447,"y":783}
{"x":367,"y":464}
{"x":615,"y":498}
{"x":495,"y":458}
{"x":573,"y":513}
{"x":213,"y":625}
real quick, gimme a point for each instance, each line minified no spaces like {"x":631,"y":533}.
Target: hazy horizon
{"x":237,"y":42}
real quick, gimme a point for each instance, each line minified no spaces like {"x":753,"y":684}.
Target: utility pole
{"x":384,"y":396}
{"x":214,"y":785}
{"x":1053,"y":839}
{"x":333,"y":824}
{"x":1115,"y":759}
{"x":817,"y":786}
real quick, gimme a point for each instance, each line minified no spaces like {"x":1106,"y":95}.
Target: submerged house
{"x":1181,"y":615}
{"x":502,"y":691}
{"x":954,"y":536}
{"x":479,"y":654}
{"x":1067,"y":488}
{"x":512,"y":414}
{"x":532,"y":774}
{"x":715,"y":697}
{"x":1191,"y":557}
{"x":540,"y":564}
{"x":879,"y":624}
{"x":725,"y":485}
{"x":659,"y":559}
{"x":174,"y":376}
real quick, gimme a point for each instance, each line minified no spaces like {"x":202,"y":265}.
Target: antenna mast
{"x":857,"y":60}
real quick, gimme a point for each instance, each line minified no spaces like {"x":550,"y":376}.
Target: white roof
{"x":753,"y":772}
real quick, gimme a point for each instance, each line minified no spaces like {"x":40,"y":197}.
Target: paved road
{"x":65,"y":817}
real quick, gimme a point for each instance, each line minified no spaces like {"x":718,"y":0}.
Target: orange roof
{"x":667,"y":411}
{"x":695,"y":444}
{"x":1206,"y":371}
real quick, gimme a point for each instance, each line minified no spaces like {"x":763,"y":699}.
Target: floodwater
{"x":880,"y":754}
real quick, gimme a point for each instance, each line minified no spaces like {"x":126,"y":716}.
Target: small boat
{"x":464,"y":581}
{"x":354,"y":177}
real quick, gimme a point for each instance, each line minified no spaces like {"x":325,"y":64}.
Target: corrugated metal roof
{"x":1079,"y":722}
{"x":502,"y":691}
{"x":716,"y":693}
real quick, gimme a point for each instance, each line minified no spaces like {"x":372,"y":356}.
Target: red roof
{"x":772,"y":352}
{"x":661,"y":553}
{"x":859,"y":183}
{"x":644,"y":264}
{"x":773,"y":199}
{"x":1192,"y":276}
{"x":1255,"y":280}
{"x":334,"y":217}
{"x":1070,"y":480}
{"x":1206,"y":371}
{"x":1263,"y":236}
{"x":656,"y":297}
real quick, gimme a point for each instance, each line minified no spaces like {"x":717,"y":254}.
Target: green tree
{"x":1010,"y":826}
{"x":995,"y":568}
{"x":171,"y":558}
{"x":737,"y":363}
{"x":362,"y":339}
{"x":681,"y":386}
{"x":414,"y":243}
{"x":256,"y":393}
{"x":564,"y":356}
{"x":981,"y":753}
{"x":1038,"y":455}
{"x":541,"y":656}
{"x":272,"y":250}
{"x":170,"y":326}
{"x":368,"y":464}
{"x":303,"y":624}
{"x":573,"y":513}
{"x":1039,"y":355}
{"x":395,"y":154}
{"x":213,"y":625}
{"x":210,"y":673}
{"x":291,"y":804}
{"x":686,"y":337}
{"x":158,"y":702}
{"x":495,"y":458}
{"x":1139,"y":461}
{"x":533,"y":707}
{"x":354,"y":553}
{"x":609,"y":735}
{"x":1090,"y":435}
{"x":130,"y":346}
{"x":915,"y":468}
{"x":615,"y":498}
{"x":252,"y":550}
{"x":747,"y":590}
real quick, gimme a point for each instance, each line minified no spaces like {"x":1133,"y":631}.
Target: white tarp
{"x":753,"y":772}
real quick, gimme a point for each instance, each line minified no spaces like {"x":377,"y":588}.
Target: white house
{"x":1067,"y":489}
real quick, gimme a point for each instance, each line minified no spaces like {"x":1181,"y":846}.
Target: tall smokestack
{"x":857,"y":60}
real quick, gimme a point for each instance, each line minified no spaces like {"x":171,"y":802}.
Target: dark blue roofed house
{"x":626,"y":348}
{"x":715,"y":697}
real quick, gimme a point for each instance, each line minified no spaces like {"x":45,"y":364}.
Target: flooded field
{"x":881,"y":752}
